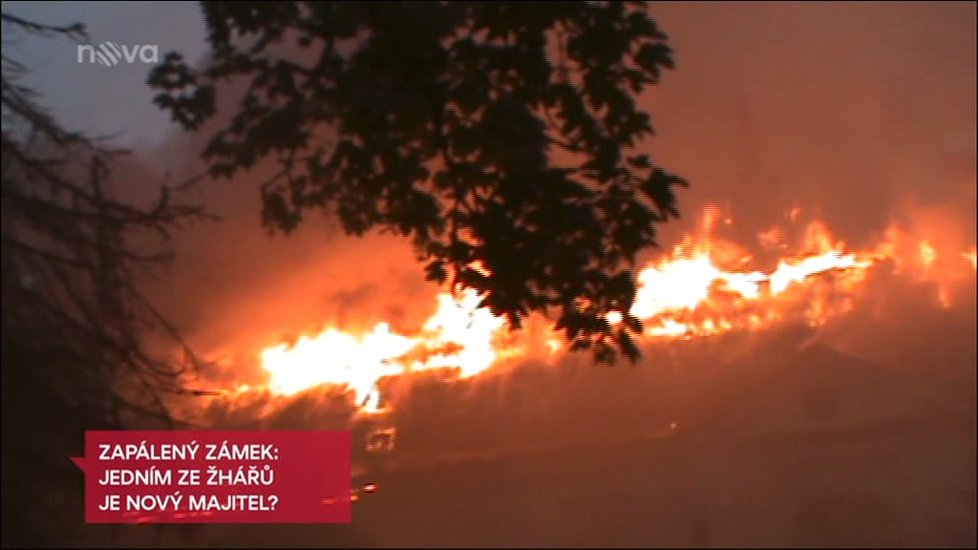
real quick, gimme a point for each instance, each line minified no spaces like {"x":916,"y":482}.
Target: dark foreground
{"x":787,"y":444}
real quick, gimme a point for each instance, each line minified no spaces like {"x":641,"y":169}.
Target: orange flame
{"x":703,"y":287}
{"x":970,"y":257}
{"x":459,"y":335}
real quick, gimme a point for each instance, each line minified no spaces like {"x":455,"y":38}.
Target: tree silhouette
{"x":75,"y":325}
{"x":500,"y":137}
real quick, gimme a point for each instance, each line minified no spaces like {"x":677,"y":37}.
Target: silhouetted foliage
{"x":501,"y":137}
{"x":74,"y":324}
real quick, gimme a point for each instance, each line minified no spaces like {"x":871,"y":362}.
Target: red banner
{"x":216,"y":476}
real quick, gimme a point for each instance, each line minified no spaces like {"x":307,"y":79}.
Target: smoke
{"x":863,"y":115}
{"x":236,"y":287}
{"x":849,"y":109}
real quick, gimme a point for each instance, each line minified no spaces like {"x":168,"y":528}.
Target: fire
{"x":927,"y":254}
{"x":690,"y":292}
{"x":334,"y":357}
{"x":459,"y":335}
{"x":704,"y":286}
{"x":463,"y":323}
{"x":970,"y":257}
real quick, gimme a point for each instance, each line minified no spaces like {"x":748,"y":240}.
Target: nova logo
{"x":113,"y":53}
